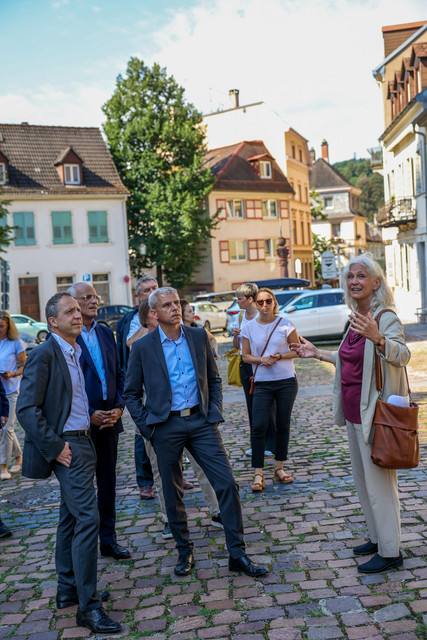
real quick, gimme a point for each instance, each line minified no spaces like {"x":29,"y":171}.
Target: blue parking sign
{"x":86,"y":277}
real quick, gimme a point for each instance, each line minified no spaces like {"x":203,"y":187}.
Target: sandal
{"x":256,"y":485}
{"x":281,"y":476}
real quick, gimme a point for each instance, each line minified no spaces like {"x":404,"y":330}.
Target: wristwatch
{"x":381,"y":342}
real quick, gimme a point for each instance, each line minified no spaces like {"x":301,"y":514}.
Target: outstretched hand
{"x":304,"y":349}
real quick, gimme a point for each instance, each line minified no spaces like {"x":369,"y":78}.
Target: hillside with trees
{"x":359,"y":173}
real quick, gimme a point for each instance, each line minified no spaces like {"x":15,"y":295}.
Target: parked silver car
{"x":209,"y":316}
{"x":318,"y":314}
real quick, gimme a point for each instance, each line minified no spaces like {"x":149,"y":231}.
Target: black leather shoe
{"x":185,"y":564}
{"x":365,"y":549}
{"x":5,"y":532}
{"x":377,"y":564}
{"x":64,"y":600}
{"x":115,"y":551}
{"x":244,"y":565}
{"x":97,"y":621}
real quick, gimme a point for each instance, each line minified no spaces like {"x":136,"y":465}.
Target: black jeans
{"x":283,"y":392}
{"x":270,"y":438}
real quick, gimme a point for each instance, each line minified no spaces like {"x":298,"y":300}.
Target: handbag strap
{"x":266,"y":344}
{"x":378,"y":368}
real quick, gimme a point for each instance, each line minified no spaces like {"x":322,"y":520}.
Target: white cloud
{"x":59,"y":3}
{"x":311,"y":61}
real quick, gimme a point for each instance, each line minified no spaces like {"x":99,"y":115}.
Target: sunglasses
{"x":261,"y":303}
{"x":88,"y":296}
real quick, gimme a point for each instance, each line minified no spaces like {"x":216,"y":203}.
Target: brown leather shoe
{"x":146,"y":493}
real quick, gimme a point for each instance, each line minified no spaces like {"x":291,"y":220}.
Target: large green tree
{"x":158,"y":146}
{"x":359,"y":173}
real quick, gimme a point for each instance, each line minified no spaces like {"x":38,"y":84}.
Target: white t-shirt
{"x":240,"y":326}
{"x":258,"y":334}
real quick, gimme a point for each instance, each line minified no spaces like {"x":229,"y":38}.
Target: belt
{"x":186,"y":412}
{"x":78,"y":432}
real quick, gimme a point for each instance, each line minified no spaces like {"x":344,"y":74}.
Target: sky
{"x":311,"y":61}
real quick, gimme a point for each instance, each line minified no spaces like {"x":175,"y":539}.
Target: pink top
{"x":351,"y":354}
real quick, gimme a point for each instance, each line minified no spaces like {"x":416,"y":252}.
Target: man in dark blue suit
{"x":104,"y":381}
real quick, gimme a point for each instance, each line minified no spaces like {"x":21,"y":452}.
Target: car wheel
{"x":42,"y":336}
{"x":207,"y":325}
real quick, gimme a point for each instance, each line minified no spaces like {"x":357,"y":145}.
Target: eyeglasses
{"x":88,"y":296}
{"x":261,"y":303}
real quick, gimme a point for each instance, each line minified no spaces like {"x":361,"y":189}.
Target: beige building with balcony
{"x":402,"y":77}
{"x":252,"y":196}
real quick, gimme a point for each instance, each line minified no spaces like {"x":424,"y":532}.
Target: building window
{"x":299,"y":193}
{"x":269,"y":208}
{"x":62,"y":232}
{"x":63,"y":283}
{"x":98,"y":229}
{"x":101,"y":284}
{"x":72,"y":173}
{"x":336,"y":230}
{"x":300,"y":154}
{"x":265,"y":169}
{"x":270,"y":245}
{"x":256,"y":249}
{"x":293,"y":150}
{"x":24,"y":233}
{"x":329,"y":203}
{"x":3,"y":173}
{"x":237,"y":249}
{"x":235,"y":209}
{"x":305,"y":194}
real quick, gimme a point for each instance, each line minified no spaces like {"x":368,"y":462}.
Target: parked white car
{"x":209,"y":316}
{"x":318,"y":314}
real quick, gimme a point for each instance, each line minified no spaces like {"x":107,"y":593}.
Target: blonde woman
{"x":12,"y":360}
{"x":355,"y":397}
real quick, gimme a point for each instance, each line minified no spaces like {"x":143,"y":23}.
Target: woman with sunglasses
{"x":265,"y":345}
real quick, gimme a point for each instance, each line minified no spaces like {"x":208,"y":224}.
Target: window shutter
{"x":261,"y":249}
{"x":284,"y":208}
{"x":221,"y":204}
{"x":252,"y":250}
{"x":224,"y":251}
{"x":258,"y":209}
{"x":250,"y":209}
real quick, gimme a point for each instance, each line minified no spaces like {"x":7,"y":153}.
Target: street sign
{"x":329,"y":265}
{"x":86,"y":277}
{"x":298,"y":267}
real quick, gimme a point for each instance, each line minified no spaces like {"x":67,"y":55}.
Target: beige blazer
{"x":395,"y":357}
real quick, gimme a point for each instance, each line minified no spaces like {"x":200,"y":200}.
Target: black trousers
{"x":203,"y":441}
{"x":270,"y":438}
{"x":283,"y":392}
{"x":77,"y":534}
{"x":106,"y":443}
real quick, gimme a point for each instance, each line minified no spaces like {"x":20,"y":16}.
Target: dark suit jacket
{"x":44,"y":404}
{"x":147,"y":368}
{"x":122,"y":331}
{"x":113,"y":372}
{"x":4,"y":402}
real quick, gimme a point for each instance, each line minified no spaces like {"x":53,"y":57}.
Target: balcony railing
{"x":397,"y":212}
{"x":376,"y":158}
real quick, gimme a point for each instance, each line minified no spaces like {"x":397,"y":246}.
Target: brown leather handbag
{"x":252,"y":378}
{"x":395,"y":444}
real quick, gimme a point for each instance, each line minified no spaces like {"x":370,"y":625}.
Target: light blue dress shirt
{"x":182,"y":375}
{"x":91,"y":341}
{"x":79,"y":414}
{"x":9,"y":349}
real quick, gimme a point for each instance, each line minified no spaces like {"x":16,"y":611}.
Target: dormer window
{"x":265,"y":169}
{"x":71,"y":174}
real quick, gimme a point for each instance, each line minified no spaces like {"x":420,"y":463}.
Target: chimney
{"x":325,"y":150}
{"x":234,"y":98}
{"x":312,"y":155}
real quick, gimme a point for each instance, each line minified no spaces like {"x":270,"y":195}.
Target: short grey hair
{"x":248,"y":289}
{"x":52,"y":307}
{"x":152,"y":300}
{"x":144,"y":279}
{"x":383,"y":296}
{"x":72,"y":290}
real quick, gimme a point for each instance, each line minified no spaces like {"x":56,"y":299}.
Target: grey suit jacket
{"x":147,"y":368}
{"x":44,"y":404}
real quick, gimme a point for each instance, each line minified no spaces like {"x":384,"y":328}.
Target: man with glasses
{"x":104,"y":381}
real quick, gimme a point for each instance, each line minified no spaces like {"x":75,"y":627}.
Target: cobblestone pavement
{"x":304,"y":532}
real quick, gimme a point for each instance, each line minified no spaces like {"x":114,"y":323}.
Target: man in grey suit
{"x":182,"y":408}
{"x":53,"y":411}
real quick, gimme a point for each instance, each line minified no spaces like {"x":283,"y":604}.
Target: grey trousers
{"x":9,"y":445}
{"x":77,"y":534}
{"x":205,"y":485}
{"x":378,"y":494}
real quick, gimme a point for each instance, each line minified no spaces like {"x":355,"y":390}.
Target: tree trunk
{"x":159,"y":275}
